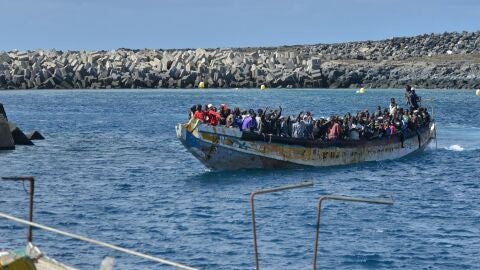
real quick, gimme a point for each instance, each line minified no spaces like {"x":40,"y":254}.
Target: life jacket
{"x":213,"y":117}
{"x":198,"y":115}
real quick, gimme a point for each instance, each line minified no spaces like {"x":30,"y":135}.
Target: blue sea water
{"x":111,"y":169}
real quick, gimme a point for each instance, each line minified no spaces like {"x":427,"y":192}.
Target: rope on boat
{"x":96,"y":242}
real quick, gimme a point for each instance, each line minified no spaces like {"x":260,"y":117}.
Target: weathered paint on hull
{"x":221,"y":148}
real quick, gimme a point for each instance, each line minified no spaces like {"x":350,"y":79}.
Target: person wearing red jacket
{"x":213,"y":115}
{"x":199,"y":113}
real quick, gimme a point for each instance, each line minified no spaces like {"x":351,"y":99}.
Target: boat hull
{"x":221,"y":148}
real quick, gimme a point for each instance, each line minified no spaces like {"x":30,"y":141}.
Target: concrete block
{"x":37,"y":81}
{"x":316,"y":74}
{"x":36,"y":68}
{"x":132,"y":67}
{"x":49,"y":84}
{"x":18,"y":79}
{"x":174,"y":72}
{"x":2,"y":79}
{"x":45,"y":74}
{"x":18,"y":136}
{"x":30,"y":84}
{"x":313,"y":64}
{"x":270,"y":77}
{"x":35,"y":136}
{"x":282,"y":60}
{"x":94,"y":57}
{"x":58,"y":75}
{"x":17,"y":71}
{"x":24,"y":64}
{"x":3,"y":113}
{"x":6,"y":139}
{"x":23,"y":57}
{"x":66,"y":85}
{"x":5,"y":58}
{"x":202,"y":68}
{"x":289,"y":64}
{"x":277,"y":73}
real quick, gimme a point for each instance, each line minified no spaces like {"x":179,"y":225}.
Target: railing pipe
{"x":96,"y":242}
{"x":31,"y":179}
{"x":338,"y":198}
{"x":252,"y":206}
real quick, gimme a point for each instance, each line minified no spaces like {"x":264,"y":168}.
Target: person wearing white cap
{"x":213,"y":116}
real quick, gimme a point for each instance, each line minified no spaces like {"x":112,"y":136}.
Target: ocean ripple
{"x":112,"y":169}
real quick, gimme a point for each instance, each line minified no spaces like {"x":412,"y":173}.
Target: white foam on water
{"x":455,"y":147}
{"x":458,"y":138}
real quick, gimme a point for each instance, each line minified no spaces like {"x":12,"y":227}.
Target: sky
{"x":166,"y":24}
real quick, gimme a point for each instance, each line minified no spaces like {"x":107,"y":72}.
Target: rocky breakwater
{"x":449,"y":60}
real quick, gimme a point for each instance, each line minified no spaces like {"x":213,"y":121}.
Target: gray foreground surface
{"x":449,"y":60}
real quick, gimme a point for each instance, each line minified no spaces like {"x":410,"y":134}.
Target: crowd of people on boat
{"x":386,"y":122}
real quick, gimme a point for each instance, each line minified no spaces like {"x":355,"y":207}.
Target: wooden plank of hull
{"x":221,"y":148}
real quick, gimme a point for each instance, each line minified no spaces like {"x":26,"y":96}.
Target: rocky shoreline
{"x":448,"y":60}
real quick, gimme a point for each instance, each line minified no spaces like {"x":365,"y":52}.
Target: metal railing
{"x":31,"y":180}
{"x":96,"y":242}
{"x":252,"y":206}
{"x":338,"y":198}
{"x":31,"y":224}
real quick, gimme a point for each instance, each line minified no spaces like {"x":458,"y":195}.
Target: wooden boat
{"x":29,"y":259}
{"x":222,"y":148}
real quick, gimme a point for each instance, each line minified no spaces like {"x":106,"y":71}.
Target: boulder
{"x":316,"y":74}
{"x":6,"y":139}
{"x":35,"y":136}
{"x":18,"y":136}
{"x":3,"y":114}
{"x":313,"y":64}
{"x":5,"y":58}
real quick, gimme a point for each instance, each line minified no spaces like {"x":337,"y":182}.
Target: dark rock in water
{"x":6,"y":139}
{"x":18,"y":136}
{"x":3,"y":114}
{"x":35,"y":136}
